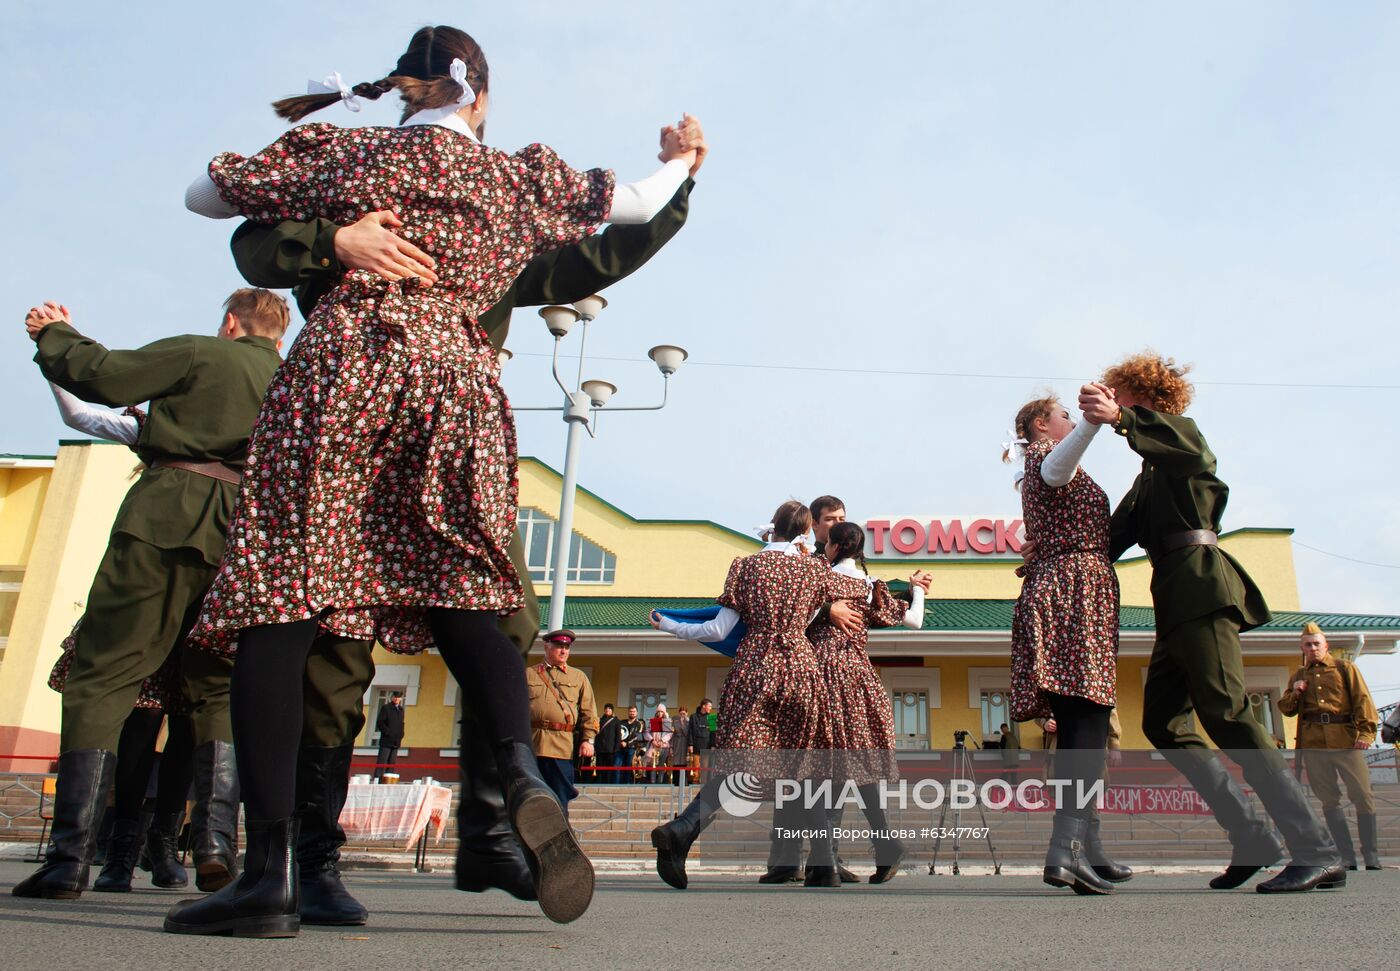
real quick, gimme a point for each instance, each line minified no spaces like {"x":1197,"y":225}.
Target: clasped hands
{"x":371,"y":243}
{"x":40,"y":317}
{"x":846,"y":616}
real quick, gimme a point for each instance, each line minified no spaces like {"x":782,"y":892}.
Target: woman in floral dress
{"x":863,"y":732}
{"x":380,"y":488}
{"x":774,"y":701}
{"x":1064,"y":631}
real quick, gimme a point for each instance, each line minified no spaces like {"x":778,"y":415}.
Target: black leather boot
{"x":84,"y":779}
{"x":1253,"y":845}
{"x":823,"y":869}
{"x":262,"y":902}
{"x":1065,"y":862}
{"x":1314,"y":860}
{"x":143,"y":857}
{"x":673,"y":841}
{"x":167,"y":872}
{"x":103,"y":836}
{"x":784,"y":853}
{"x":563,"y":875}
{"x":323,"y":778}
{"x":1366,"y":832}
{"x":488,"y":854}
{"x":214,"y":818}
{"x":1105,"y":867}
{"x":123,"y":847}
{"x":1336,"y":821}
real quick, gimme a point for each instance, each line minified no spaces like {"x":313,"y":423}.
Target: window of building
{"x":996,"y":709}
{"x":646,"y":700}
{"x":910,"y":720}
{"x":379,"y":699}
{"x":1265,"y":710}
{"x":588,"y":562}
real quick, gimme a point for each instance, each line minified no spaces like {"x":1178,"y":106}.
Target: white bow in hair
{"x":1016,"y":442}
{"x":763,"y":532}
{"x":458,"y":70}
{"x":334,"y":85}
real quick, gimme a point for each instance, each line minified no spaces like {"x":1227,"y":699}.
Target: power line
{"x":886,"y":372}
{"x":1349,"y":559}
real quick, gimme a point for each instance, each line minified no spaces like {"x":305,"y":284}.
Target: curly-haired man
{"x":1203,"y":599}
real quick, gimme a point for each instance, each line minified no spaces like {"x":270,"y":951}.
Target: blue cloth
{"x":558,"y":774}
{"x":729,"y":646}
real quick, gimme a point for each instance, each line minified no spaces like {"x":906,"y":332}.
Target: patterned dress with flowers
{"x":863,"y":727}
{"x":775,"y":697}
{"x":381,"y":475}
{"x":160,"y":690}
{"x":1064,"y":631}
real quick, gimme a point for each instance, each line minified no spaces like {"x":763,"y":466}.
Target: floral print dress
{"x":381,"y":474}
{"x":1064,"y":631}
{"x":863,"y":719}
{"x":775,"y":697}
{"x":160,"y":690}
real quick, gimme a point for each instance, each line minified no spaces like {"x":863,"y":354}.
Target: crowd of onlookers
{"x":655,"y":749}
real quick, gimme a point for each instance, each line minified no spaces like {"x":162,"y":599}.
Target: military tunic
{"x":168,"y":536}
{"x":561,"y":708}
{"x":1337,"y":692}
{"x":1202,"y":596}
{"x":301,"y":256}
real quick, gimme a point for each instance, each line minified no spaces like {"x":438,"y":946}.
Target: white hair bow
{"x":458,"y":70}
{"x":1017,"y":442}
{"x":334,"y":85}
{"x":763,"y":532}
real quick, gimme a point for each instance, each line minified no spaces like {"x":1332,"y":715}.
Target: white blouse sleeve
{"x":1060,"y":465}
{"x":203,"y":198}
{"x":92,"y":420}
{"x":635,"y":203}
{"x":914,"y":616}
{"x":715,"y":629}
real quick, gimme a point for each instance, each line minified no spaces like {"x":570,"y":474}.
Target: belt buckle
{"x":1325,"y":717}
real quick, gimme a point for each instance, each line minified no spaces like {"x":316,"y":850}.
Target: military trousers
{"x":339,"y":670}
{"x":1324,"y":766}
{"x":1197,"y":669}
{"x":141,"y":606}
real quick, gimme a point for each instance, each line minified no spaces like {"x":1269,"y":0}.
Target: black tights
{"x":266,"y":696}
{"x":176,"y":767}
{"x":1081,"y":733}
{"x":136,"y":755}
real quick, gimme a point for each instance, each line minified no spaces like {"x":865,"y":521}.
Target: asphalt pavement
{"x":728,"y":921}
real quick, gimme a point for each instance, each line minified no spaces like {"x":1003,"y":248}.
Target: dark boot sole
{"x":667,"y":866}
{"x":335,"y":921}
{"x":210,"y":877}
{"x":98,"y":888}
{"x":563,"y":873}
{"x":884,"y":874}
{"x":171,"y":886}
{"x":1058,"y":876}
{"x":1305,"y":887}
{"x":280,"y":925}
{"x":44,"y":894}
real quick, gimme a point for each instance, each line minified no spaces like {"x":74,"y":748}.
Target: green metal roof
{"x":628,"y":613}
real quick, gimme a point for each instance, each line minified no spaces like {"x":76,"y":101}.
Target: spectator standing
{"x":389,"y":724}
{"x":680,"y":743}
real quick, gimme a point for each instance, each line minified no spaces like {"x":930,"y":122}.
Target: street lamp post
{"x":580,"y":409}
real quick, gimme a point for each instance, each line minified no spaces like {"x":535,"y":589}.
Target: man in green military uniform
{"x":311,"y":258}
{"x":1203,"y":600}
{"x":165,"y":548}
{"x":1337,"y":720}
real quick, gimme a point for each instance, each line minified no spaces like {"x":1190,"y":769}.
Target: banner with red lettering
{"x":1162,"y":800}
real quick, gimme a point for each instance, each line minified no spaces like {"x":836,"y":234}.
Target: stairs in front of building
{"x":614,"y":822}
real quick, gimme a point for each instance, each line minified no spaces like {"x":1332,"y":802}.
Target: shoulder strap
{"x":543,"y":670}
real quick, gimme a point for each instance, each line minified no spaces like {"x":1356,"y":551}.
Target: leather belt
{"x":1179,"y":541}
{"x":1328,"y":718}
{"x":552,"y":726}
{"x":212,"y":470}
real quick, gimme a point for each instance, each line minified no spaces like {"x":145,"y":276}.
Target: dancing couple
{"x":380,"y":491}
{"x":802,"y":700}
{"x":1065,"y":632}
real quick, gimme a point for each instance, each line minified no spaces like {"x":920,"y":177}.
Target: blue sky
{"x":1009,"y":189}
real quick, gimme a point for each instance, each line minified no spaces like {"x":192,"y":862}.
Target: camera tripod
{"x":962,"y":769}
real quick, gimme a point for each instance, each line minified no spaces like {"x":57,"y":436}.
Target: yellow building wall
{"x":22,"y":492}
{"x":84,"y":490}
